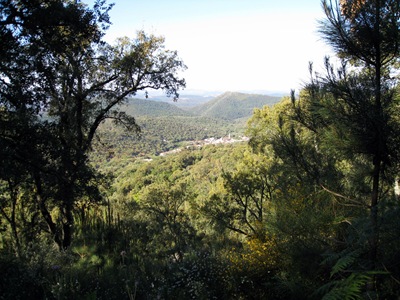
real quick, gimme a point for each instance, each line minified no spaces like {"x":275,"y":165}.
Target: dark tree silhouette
{"x":59,"y":82}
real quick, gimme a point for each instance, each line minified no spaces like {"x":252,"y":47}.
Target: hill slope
{"x":165,"y":126}
{"x":149,"y":108}
{"x":232,"y":106}
{"x":185,"y":101}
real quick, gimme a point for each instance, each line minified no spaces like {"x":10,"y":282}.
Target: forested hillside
{"x":163,"y":126}
{"x":232,"y":106}
{"x":148,"y":108}
{"x":306,"y":208}
{"x":186,"y":101}
{"x":161,"y":134}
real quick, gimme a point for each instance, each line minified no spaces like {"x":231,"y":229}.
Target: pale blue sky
{"x":235,"y":45}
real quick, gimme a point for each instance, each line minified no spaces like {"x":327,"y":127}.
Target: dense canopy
{"x":308,"y":208}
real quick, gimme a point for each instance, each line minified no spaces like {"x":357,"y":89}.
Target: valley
{"x":111,"y":190}
{"x":165,"y":126}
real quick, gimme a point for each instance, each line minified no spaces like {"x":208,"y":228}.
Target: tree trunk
{"x":68,"y":226}
{"x":57,"y":236}
{"x":374,"y":238}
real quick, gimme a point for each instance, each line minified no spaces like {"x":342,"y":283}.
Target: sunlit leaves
{"x":145,"y":64}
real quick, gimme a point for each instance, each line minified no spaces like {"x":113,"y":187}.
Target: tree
{"x":366,"y":34}
{"x":352,"y":113}
{"x":250,"y":189}
{"x":341,"y":136}
{"x":163,"y":208}
{"x":61,"y":81}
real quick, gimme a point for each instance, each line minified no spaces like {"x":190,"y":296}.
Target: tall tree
{"x":352,"y":111}
{"x":61,"y":81}
{"x":366,"y":34}
{"x":342,"y":136}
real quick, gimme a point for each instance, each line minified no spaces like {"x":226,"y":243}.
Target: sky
{"x":231,"y":45}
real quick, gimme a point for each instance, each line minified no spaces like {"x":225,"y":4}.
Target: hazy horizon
{"x":231,"y":45}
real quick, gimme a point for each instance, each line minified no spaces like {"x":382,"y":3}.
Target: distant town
{"x":209,"y":141}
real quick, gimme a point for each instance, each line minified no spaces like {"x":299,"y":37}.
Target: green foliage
{"x":345,"y":261}
{"x":59,"y":67}
{"x":149,"y":108}
{"x":347,"y":282}
{"x":200,"y":276}
{"x":158,"y":135}
{"x":232,"y":106}
{"x":306,"y":210}
{"x":350,"y":288}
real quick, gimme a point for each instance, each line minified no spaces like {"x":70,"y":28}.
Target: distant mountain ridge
{"x":150,"y":108}
{"x":185,"y":101}
{"x":233,"y":105}
{"x":229,"y":106}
